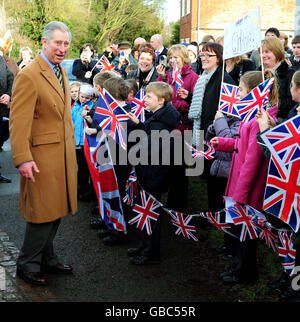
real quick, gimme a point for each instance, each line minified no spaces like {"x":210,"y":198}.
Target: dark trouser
{"x":83,"y":173}
{"x":178,"y":189}
{"x":4,"y":131}
{"x":150,"y":245}
{"x":216,"y":188}
{"x":37,"y":247}
{"x":244,"y":262}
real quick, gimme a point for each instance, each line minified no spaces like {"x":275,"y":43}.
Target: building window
{"x":188,"y":7}
{"x":182,"y":5}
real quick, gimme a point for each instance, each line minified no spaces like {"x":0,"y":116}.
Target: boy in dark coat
{"x":154,"y":178}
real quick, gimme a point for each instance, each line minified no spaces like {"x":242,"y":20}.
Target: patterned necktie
{"x":59,"y":75}
{"x":156,"y":54}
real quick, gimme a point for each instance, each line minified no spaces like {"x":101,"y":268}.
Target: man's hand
{"x":26,"y":170}
{"x":4,"y":99}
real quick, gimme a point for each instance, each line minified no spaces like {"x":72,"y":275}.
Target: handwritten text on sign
{"x":243,"y":35}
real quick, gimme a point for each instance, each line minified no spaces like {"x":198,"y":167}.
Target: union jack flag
{"x":248,"y":106}
{"x":229,"y":96}
{"x":104,"y":65}
{"x":138,"y":105}
{"x":242,"y":216}
{"x":104,"y":181}
{"x":181,"y":222}
{"x":177,"y":76}
{"x":109,"y":115}
{"x":131,"y":188}
{"x":145,"y":212}
{"x":284,"y":140}
{"x":265,"y":232}
{"x":282,"y":194}
{"x":286,"y":250}
{"x":208,"y":153}
{"x":218,"y":219}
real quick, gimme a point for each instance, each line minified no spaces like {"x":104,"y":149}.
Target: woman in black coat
{"x":273,"y":58}
{"x":6,"y":83}
{"x":146,"y":72}
{"x":205,"y":103}
{"x":84,"y":67}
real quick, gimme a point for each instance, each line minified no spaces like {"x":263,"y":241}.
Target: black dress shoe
{"x":144,"y":260}
{"x":227,"y":257}
{"x":4,"y":179}
{"x":57,"y":269}
{"x":34,"y":278}
{"x":134,"y":251}
{"x":230,"y":279}
{"x":228,"y":272}
{"x":233,"y":278}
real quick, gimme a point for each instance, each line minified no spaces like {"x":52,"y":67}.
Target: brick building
{"x":215,"y":15}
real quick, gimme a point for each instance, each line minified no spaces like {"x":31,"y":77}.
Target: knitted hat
{"x":87,"y":89}
{"x":124,"y":45}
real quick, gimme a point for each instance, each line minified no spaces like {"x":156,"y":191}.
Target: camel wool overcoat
{"x":41,"y":130}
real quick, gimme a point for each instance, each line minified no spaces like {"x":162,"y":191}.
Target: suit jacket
{"x":42,"y":130}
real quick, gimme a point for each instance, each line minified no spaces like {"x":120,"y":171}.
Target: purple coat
{"x":226,"y":127}
{"x":249,"y":168}
{"x":189,"y":78}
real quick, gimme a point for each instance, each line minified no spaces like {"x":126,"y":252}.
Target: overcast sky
{"x":172,"y":10}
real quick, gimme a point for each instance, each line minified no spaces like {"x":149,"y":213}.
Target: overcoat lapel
{"x":49,"y":75}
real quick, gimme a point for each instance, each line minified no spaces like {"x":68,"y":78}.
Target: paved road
{"x":101,"y":273}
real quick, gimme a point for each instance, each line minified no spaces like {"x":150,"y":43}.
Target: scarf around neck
{"x":196,"y":105}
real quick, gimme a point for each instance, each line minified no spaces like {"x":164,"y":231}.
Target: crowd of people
{"x":51,"y":140}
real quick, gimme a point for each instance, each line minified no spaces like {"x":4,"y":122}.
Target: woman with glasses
{"x":204,"y":106}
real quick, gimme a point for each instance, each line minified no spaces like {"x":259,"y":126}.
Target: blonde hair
{"x":25,"y":48}
{"x":237,"y":59}
{"x":181,"y":51}
{"x":78,"y":84}
{"x":253,"y":78}
{"x":100,"y":78}
{"x":161,"y":90}
{"x":275,"y":46}
{"x":285,"y":37}
{"x":296,"y":78}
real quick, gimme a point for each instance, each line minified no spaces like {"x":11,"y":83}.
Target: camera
{"x":163,"y":60}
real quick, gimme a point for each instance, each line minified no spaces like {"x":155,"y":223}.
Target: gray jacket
{"x":6,"y":81}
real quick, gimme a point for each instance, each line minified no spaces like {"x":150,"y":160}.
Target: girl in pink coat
{"x":247,"y":177}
